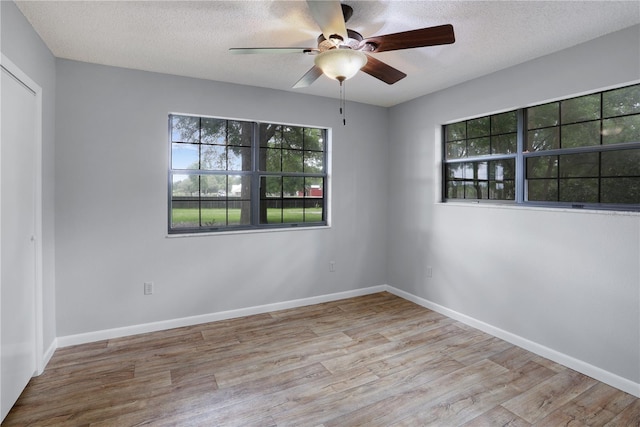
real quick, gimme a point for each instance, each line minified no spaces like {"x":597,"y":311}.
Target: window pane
{"x":293,"y":210}
{"x":270,"y":160}
{"x":501,"y":170}
{"x":543,"y":139}
{"x":293,"y":186}
{"x":542,"y":167}
{"x":456,"y":131}
{"x":213,"y":186}
{"x":214,"y":157}
{"x":476,"y":190}
{"x":292,"y":161}
{"x":185,"y":185}
{"x":455,"y":190}
{"x":620,"y":190}
{"x":313,"y":210}
{"x":501,"y":179}
{"x":313,"y":139}
{"x":542,"y":190}
{"x":543,"y":116}
{"x":456,"y":170}
{"x":476,"y":170}
{"x":313,"y":162}
{"x":239,"y":133}
{"x":478,"y":147}
{"x":214,"y":214}
{"x":478,"y":127}
{"x":273,"y":211}
{"x":292,"y":137}
{"x":185,"y":208}
{"x":185,"y":129}
{"x":184,"y":217}
{"x":581,"y":109}
{"x":214,"y":131}
{"x":504,"y":144}
{"x":456,"y":149}
{"x":272,"y":186}
{"x":621,"y":129}
{"x":579,"y":165}
{"x":184,"y":156}
{"x":270,"y":135}
{"x":621,"y":163}
{"x":314,"y":187}
{"x":621,"y":101}
{"x":581,"y":134}
{"x":239,"y":186}
{"x":503,"y":190}
{"x":239,"y":158}
{"x":581,"y":190}
{"x":238,"y":212}
{"x":504,"y":123}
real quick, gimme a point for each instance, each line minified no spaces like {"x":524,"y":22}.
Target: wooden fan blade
{"x":328,"y":15}
{"x":431,"y":36}
{"x":382,"y":71}
{"x":309,"y":77}
{"x":251,"y":50}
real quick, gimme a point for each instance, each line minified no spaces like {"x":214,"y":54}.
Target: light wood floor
{"x":375,"y":360}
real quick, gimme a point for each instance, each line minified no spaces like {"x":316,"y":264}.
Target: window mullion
{"x":256,"y":194}
{"x":199,"y":169}
{"x":520,"y":162}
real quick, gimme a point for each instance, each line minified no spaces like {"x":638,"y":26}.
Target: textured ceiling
{"x":192,"y":38}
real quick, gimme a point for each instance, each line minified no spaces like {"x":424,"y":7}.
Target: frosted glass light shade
{"x":340,"y":64}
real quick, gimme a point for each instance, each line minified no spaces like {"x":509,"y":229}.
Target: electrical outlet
{"x":148,"y":288}
{"x":429,"y":272}
{"x":332,"y":266}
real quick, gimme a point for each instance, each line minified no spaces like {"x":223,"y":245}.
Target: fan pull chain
{"x":343,"y":103}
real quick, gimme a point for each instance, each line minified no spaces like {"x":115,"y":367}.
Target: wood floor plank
{"x":629,"y":416}
{"x":538,"y":402}
{"x":428,"y":394}
{"x":595,"y":407}
{"x":375,"y":353}
{"x":294,"y":356}
{"x":326,"y":406}
{"x":512,"y":358}
{"x":375,"y":360}
{"x":463,"y":404}
{"x":497,"y":416}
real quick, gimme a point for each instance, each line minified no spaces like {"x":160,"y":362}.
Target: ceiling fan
{"x":342,"y":52}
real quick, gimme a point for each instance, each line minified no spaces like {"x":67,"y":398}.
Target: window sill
{"x":245,"y":231}
{"x":584,"y":211}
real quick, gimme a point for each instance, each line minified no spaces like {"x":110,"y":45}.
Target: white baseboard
{"x":539,"y":349}
{"x":69,"y":340}
{"x":41,"y":364}
{"x":558,"y":357}
{"x":48,"y":354}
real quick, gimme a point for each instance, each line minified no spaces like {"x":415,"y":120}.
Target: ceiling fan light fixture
{"x":340,"y":64}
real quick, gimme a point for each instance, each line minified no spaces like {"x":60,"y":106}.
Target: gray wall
{"x":21,"y":44}
{"x":111,"y":204}
{"x":563,"y":279}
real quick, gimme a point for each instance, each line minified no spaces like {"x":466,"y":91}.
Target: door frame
{"x":31,"y":85}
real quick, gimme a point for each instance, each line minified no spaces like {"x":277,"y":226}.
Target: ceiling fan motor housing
{"x":353,"y":41}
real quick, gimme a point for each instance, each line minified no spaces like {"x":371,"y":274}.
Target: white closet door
{"x":17,"y":234}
